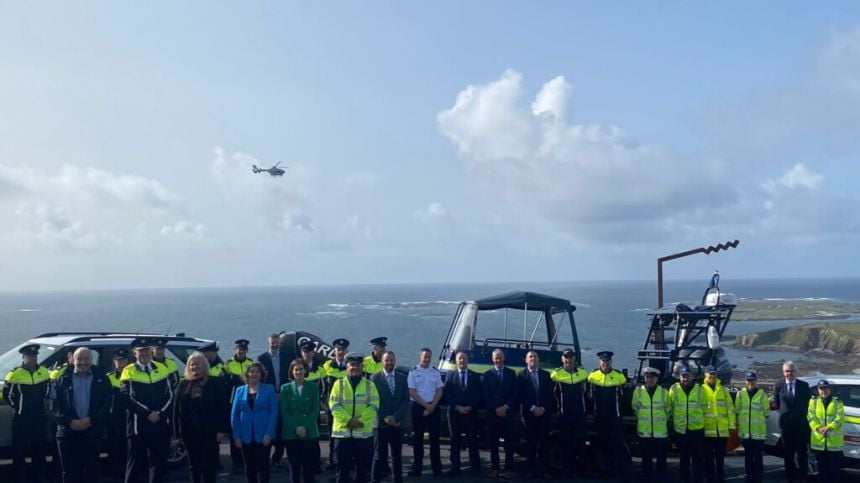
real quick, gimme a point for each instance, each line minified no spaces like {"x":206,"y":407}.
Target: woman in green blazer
{"x":300,"y":412}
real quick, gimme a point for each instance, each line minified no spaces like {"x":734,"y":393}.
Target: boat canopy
{"x":524,"y":301}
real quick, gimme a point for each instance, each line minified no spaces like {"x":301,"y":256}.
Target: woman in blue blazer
{"x":254,"y":416}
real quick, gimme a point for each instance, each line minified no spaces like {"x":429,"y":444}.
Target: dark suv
{"x":55,"y":348}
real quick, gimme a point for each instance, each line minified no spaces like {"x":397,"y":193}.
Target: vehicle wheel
{"x":178,"y":455}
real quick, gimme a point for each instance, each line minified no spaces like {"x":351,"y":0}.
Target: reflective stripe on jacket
{"x":831,"y":417}
{"x":719,"y":411}
{"x":651,"y":412}
{"x":752,"y":414}
{"x":688,"y":410}
{"x":346,"y":404}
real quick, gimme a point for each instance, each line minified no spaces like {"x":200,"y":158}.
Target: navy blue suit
{"x":456,"y":394}
{"x":499,"y":392}
{"x":537,"y":427}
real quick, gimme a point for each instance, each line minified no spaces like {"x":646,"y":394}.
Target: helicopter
{"x":273,"y":171}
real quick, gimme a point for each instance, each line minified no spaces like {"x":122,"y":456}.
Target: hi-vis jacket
{"x":833,"y":417}
{"x":145,"y":392}
{"x":651,"y":412}
{"x":570,"y":390}
{"x":752,"y":414}
{"x":26,"y":391}
{"x":687,"y":409}
{"x":371,"y":365}
{"x":606,"y":393}
{"x":346,"y":403}
{"x":719,"y":411}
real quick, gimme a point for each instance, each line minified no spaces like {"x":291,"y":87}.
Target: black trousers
{"x":460,"y":425}
{"x":304,"y":457}
{"x":573,"y":431}
{"x":256,"y":458}
{"x":277,"y":442}
{"x":691,"y":449}
{"x":828,"y":465}
{"x":147,"y":453}
{"x":117,"y":447}
{"x":754,"y":460}
{"x":432,"y":425}
{"x":714,"y":460}
{"x":537,"y":442}
{"x":353,"y":453}
{"x":79,"y":456}
{"x":29,"y":432}
{"x":610,"y":440}
{"x":388,"y":437}
{"x":654,"y":449}
{"x":501,"y":428}
{"x":796,"y":458}
{"x":203,"y":455}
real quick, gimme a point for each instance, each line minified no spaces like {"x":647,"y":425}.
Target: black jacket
{"x":498,"y":394}
{"x":63,"y":403}
{"x":145,"y":393}
{"x":543,"y":397}
{"x":457,"y":395}
{"x":201,"y":408}
{"x":792,"y":410}
{"x":391,"y":405}
{"x":266,"y":359}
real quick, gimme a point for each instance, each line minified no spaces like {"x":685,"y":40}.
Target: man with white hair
{"x":791,"y":400}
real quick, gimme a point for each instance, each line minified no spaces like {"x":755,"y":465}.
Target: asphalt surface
{"x":734,"y":470}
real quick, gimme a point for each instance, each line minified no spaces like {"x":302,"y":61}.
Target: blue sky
{"x":458,"y":141}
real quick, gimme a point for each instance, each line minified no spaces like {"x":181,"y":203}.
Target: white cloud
{"x":433,"y":212}
{"x":798,"y":177}
{"x":52,"y":226}
{"x":186,"y":229}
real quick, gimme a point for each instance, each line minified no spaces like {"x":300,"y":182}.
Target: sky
{"x":425,"y":142}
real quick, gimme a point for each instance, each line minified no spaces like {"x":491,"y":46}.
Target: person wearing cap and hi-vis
{"x":159,"y":356}
{"x":334,"y":369}
{"x":569,"y":382}
{"x":116,"y":427}
{"x":316,"y":372}
{"x":354,"y":402}
{"x":826,"y":417}
{"x":752,"y":407}
{"x":235,"y":368}
{"x":148,"y":398}
{"x":688,"y":421}
{"x":719,"y":421}
{"x":26,"y":391}
{"x":606,"y":392}
{"x":651,"y":405}
{"x":373,"y":362}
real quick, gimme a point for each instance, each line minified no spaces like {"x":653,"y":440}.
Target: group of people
{"x":703,"y":414}
{"x":273,"y":405}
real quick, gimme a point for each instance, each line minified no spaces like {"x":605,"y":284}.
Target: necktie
{"x":390,"y":378}
{"x":535,"y":380}
{"x":791,"y":389}
{"x":499,"y":372}
{"x":146,"y":368}
{"x":463,"y":379}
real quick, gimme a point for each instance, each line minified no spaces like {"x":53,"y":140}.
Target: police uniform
{"x":570,"y":395}
{"x":354,"y":397}
{"x":334,"y":370}
{"x":146,"y":389}
{"x":720,"y":419}
{"x":26,"y":390}
{"x":827,"y":413}
{"x":235,"y":368}
{"x":688,"y":420}
{"x":753,"y":408}
{"x":651,"y":405}
{"x":372,"y":363}
{"x":316,"y":372}
{"x":606,"y":393}
{"x":116,"y":425}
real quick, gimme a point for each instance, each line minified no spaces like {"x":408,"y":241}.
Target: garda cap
{"x":752,"y":376}
{"x":308,"y":346}
{"x":651,"y":370}
{"x":568,"y":353}
{"x":354,"y":358}
{"x":158,"y":342}
{"x":341,"y":343}
{"x":711,"y":370}
{"x":683,"y":370}
{"x":824,"y":383}
{"x":209,"y":347}
{"x":242,"y":344}
{"x":605,"y":355}
{"x":383,"y":341}
{"x":142,"y":343}
{"x":29,"y":350}
{"x":120,"y":354}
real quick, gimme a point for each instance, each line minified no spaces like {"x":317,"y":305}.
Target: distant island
{"x":795,"y":309}
{"x":836,"y":338}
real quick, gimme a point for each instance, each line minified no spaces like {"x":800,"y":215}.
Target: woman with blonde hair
{"x":200,"y":418}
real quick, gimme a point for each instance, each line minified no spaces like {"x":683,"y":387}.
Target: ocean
{"x":609,"y":315}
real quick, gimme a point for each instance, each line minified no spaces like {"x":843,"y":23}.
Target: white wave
{"x":801,"y":299}
{"x":29,"y":310}
{"x":336,"y":313}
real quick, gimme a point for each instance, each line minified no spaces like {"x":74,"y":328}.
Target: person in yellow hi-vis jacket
{"x":354,"y":403}
{"x":752,"y":407}
{"x":719,"y":420}
{"x":826,"y":416}
{"x":688,"y":420}
{"x":651,"y":405}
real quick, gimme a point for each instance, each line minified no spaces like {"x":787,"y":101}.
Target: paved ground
{"x":734,"y":470}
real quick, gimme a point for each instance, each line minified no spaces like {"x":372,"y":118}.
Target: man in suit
{"x":500,"y":395}
{"x":80,"y":403}
{"x":463,"y":393}
{"x":393,"y":403}
{"x":791,"y":399}
{"x":277,"y":374}
{"x":537,"y":403}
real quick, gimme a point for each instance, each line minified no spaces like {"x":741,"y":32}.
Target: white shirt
{"x":425,"y":381}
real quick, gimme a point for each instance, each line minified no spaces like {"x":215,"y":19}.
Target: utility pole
{"x":705,"y":250}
